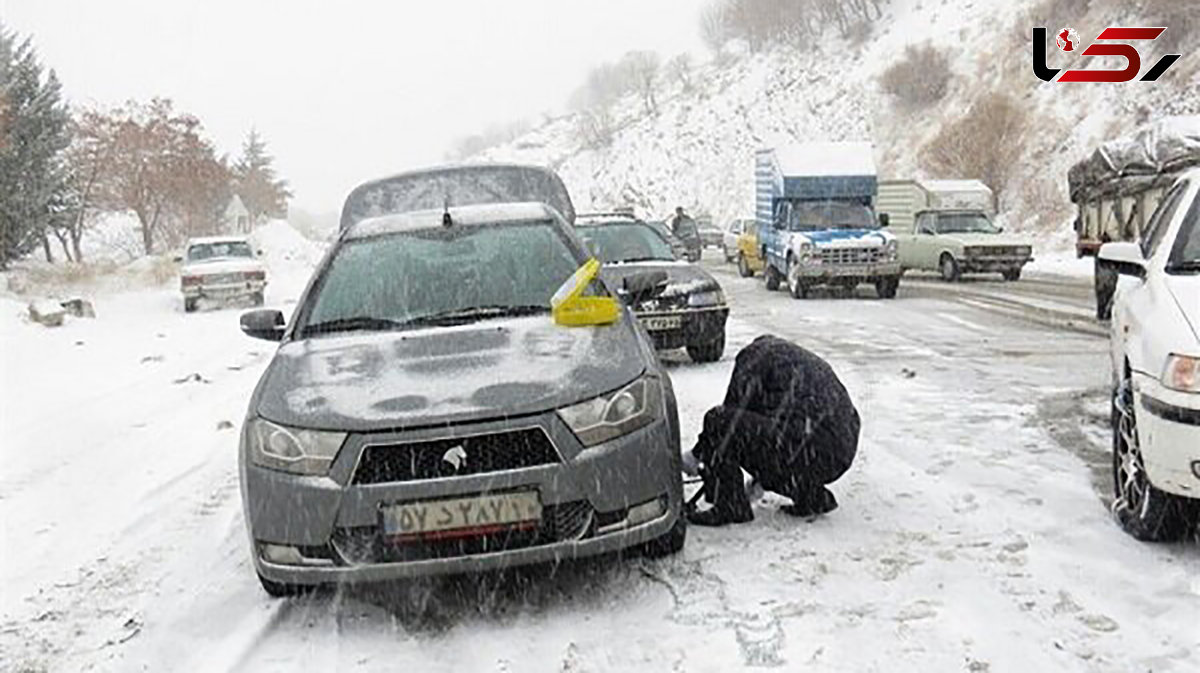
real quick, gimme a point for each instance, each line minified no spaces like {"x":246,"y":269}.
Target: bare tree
{"x":920,"y":78}
{"x":679,"y":69}
{"x":640,"y":71}
{"x":986,"y":143}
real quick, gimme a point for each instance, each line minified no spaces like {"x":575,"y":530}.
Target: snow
{"x":973,"y":531}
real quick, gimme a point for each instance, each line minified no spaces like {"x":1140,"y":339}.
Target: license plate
{"x":660,"y":323}
{"x":460,"y":517}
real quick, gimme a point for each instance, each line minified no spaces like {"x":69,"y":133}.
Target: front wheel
{"x":772,"y":277}
{"x":1012,"y":275}
{"x":744,"y":269}
{"x":886,"y":287}
{"x":949,"y":268}
{"x":189,"y":305}
{"x":668,"y":543}
{"x":1144,"y":512}
{"x":708,"y":351}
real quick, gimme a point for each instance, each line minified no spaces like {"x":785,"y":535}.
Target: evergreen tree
{"x":254,"y":180}
{"x":35,"y":132}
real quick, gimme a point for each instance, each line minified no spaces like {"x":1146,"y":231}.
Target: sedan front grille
{"x":455,"y":457}
{"x":851,"y":255}
{"x":995,"y":251}
{"x":366,"y":544}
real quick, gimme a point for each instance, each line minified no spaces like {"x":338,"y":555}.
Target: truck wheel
{"x":796,"y":287}
{"x":668,"y":543}
{"x":886,"y":287}
{"x":708,"y":351}
{"x":257,"y":299}
{"x":189,"y":305}
{"x":1012,"y":274}
{"x":949,"y":268}
{"x":1105,"y":279}
{"x":744,"y":269}
{"x":1144,"y":512}
{"x":772,"y":277}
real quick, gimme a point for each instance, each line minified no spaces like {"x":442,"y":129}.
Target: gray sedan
{"x":425,"y":415}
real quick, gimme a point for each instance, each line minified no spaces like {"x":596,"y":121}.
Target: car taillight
{"x":255,"y":275}
{"x":191,"y":280}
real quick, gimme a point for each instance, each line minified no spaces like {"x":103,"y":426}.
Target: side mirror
{"x":883,"y":220}
{"x":1126,"y":258}
{"x":639,"y":287}
{"x":266,"y":324}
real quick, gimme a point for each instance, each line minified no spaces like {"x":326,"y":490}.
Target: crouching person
{"x":788,"y":421}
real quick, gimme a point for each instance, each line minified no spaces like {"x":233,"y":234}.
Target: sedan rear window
{"x":202,"y":252}
{"x":415,"y":277}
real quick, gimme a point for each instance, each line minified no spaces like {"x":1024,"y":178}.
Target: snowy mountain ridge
{"x":698,"y":150}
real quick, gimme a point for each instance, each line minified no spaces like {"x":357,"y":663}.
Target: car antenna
{"x":447,"y":221}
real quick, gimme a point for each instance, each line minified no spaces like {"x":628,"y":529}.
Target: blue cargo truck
{"x":815,"y":206}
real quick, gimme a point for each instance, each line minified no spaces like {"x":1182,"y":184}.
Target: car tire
{"x":772,"y":277}
{"x":796,"y":287}
{"x":744,"y":269}
{"x":708,"y":351}
{"x":189,"y":305}
{"x":886,"y":287}
{"x":1012,"y":275}
{"x":949,"y":268}
{"x":282,"y":590}
{"x":668,"y":543}
{"x":1143,"y":511}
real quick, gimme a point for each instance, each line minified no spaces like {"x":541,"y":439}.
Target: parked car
{"x":710,"y":234}
{"x":1155,"y":339}
{"x":221,"y":268}
{"x":688,"y":311}
{"x":946,"y":226}
{"x":729,"y":237}
{"x":677,"y":246}
{"x":436,"y":418}
{"x":749,"y":259}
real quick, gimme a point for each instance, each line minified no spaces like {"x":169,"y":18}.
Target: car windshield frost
{"x":615,"y":243}
{"x":965,"y":223}
{"x":439,"y":276}
{"x":202,"y":252}
{"x":815,"y":216}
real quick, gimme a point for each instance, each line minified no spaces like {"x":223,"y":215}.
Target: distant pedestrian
{"x":787,"y":421}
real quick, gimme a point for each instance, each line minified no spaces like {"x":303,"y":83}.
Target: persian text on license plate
{"x":466,"y":516}
{"x":660,"y":323}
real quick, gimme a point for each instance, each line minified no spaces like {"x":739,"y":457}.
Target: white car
{"x":729,"y":237}
{"x":1155,"y":341}
{"x":221,"y":268}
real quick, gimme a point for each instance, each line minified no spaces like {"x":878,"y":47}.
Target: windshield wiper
{"x":1187,"y":266}
{"x":463,"y":316}
{"x":643,"y":259}
{"x":358,"y":323}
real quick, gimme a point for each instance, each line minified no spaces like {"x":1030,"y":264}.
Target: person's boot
{"x":811,"y":503}
{"x":722,"y":514}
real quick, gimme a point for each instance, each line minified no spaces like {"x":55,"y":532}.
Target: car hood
{"x":682,"y":278}
{"x":997,"y":240}
{"x":230,"y":265}
{"x":485,"y":370}
{"x":1186,"y":292}
{"x":833,"y":238}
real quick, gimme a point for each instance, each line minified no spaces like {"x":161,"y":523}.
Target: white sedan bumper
{"x":1169,"y":435}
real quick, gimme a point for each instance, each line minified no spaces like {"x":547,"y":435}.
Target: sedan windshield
{"x":202,"y":252}
{"x":815,"y":216}
{"x":635,"y":242}
{"x":440,"y":276}
{"x":965,"y":223}
{"x":1185,"y":256}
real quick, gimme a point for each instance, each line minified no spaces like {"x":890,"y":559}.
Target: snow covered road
{"x":973,"y":533}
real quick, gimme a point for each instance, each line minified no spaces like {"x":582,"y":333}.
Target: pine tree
{"x":254,"y":180}
{"x":35,"y":133}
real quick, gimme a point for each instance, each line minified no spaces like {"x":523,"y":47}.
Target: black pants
{"x":795,"y":467}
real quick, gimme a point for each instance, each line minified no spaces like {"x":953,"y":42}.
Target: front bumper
{"x":335,"y":523}
{"x":697,"y":326}
{"x":992,"y":263}
{"x":224,"y":290}
{"x":816,"y":273}
{"x":1169,"y":435}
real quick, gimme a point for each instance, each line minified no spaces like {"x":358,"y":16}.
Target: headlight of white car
{"x":619,"y":413}
{"x":1182,"y":373}
{"x":709,"y":298}
{"x":292,"y":450}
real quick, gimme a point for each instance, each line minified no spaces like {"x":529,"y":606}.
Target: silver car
{"x":424,"y":414}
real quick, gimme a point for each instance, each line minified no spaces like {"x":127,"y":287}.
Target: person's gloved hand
{"x":691,"y":464}
{"x":754,"y":490}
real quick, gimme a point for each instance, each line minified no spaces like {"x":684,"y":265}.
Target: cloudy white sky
{"x":344,"y":90}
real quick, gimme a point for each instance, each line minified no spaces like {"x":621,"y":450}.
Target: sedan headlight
{"x":708,"y":298}
{"x":619,"y":413}
{"x":1182,"y":373}
{"x":292,"y":450}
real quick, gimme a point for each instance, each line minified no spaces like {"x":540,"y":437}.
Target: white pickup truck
{"x":221,"y":268}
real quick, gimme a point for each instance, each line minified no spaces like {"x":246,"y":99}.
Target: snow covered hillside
{"x":698,"y":150}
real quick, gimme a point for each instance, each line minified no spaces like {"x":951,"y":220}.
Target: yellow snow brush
{"x":571,"y":308}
